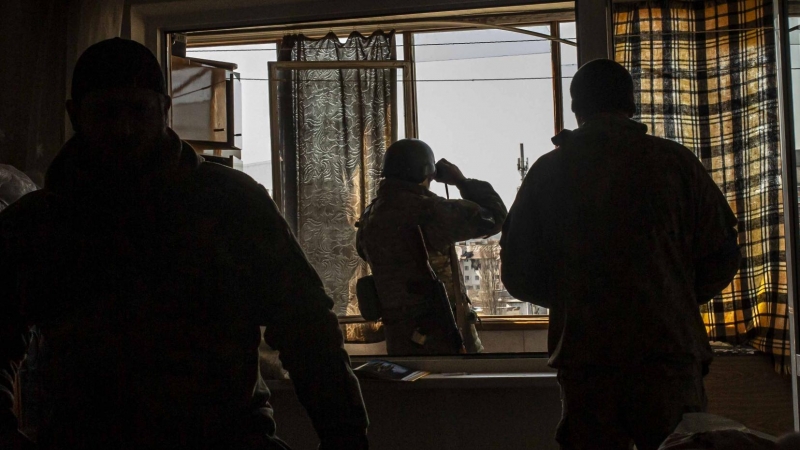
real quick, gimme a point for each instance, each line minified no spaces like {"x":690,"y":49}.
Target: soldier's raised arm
{"x":480,"y":212}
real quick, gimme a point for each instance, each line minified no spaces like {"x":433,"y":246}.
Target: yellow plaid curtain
{"x":705,"y":75}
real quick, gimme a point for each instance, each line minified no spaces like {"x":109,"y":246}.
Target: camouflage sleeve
{"x":521,"y":248}
{"x":300,"y":324}
{"x":481,"y":212}
{"x":715,"y":249}
{"x":12,"y":332}
{"x":359,"y":247}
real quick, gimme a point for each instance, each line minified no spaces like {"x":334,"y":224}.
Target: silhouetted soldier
{"x":622,"y":235}
{"x":147,"y":273}
{"x":404,"y":202}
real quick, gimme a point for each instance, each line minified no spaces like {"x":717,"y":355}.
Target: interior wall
{"x":90,"y":22}
{"x":32,"y":48}
{"x":40,"y":41}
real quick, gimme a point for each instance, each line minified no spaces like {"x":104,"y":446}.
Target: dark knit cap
{"x":116,"y":63}
{"x":602,"y":85}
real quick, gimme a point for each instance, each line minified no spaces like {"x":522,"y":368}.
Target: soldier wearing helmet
{"x":404,"y":201}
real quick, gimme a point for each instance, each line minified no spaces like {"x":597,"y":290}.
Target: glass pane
{"x":569,"y":65}
{"x":480,"y":95}
{"x":794,"y":41}
{"x":401,"y":107}
{"x":252,"y":61}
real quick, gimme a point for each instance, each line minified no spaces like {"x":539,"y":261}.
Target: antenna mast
{"x":522,"y":162}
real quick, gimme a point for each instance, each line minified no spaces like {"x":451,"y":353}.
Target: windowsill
{"x":488,"y":323}
{"x":450,"y":381}
{"x":504,"y":371}
{"x":509,"y":323}
{"x":477,"y":364}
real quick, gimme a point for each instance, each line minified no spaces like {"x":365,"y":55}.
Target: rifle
{"x":463,"y":308}
{"x":441,"y":312}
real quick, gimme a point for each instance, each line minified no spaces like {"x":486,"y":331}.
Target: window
{"x":480,"y":95}
{"x":252,"y":62}
{"x":480,"y":98}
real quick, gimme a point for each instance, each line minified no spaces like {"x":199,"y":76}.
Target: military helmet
{"x":409,"y":160}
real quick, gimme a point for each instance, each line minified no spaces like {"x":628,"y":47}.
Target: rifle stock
{"x":441,"y":310}
{"x":462,"y":305}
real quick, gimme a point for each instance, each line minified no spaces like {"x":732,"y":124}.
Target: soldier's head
{"x":119,"y":98}
{"x":602,"y":86}
{"x":410,"y":160}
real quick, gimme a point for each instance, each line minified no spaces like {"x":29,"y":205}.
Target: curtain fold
{"x":341,"y":126}
{"x":705,"y":75}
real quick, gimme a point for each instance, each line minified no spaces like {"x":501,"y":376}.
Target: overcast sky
{"x":478,"y":125}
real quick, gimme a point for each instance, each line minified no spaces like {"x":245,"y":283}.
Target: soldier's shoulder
{"x":676,"y":152}
{"x":233,"y":185}
{"x":664,"y":144}
{"x":31,"y":204}
{"x":230,"y":177}
{"x":32,"y":213}
{"x":545,"y":165}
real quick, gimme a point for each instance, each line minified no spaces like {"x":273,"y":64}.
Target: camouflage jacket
{"x":148,"y":291}
{"x":400,"y":205}
{"x":621,"y":235}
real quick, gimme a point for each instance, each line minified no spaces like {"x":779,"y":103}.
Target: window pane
{"x":252,"y":61}
{"x":401,"y":107}
{"x":480,"y":95}
{"x":569,"y":65}
{"x":794,"y":41}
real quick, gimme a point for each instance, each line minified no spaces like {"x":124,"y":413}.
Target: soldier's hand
{"x":448,"y":173}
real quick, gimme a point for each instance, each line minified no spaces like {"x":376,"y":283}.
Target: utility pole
{"x":522,"y":163}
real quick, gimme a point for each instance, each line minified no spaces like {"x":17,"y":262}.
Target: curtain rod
{"x":501,"y":27}
{"x":677,"y":33}
{"x":206,"y":38}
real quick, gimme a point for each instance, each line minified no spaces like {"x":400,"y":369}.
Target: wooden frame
{"x":287,"y":203}
{"x":555,"y":62}
{"x":789,"y":181}
{"x":284,"y":201}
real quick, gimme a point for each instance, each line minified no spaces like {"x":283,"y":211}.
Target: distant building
{"x":480,"y":261}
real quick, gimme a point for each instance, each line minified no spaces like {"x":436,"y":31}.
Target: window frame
{"x":287,"y":199}
{"x":408,"y":64}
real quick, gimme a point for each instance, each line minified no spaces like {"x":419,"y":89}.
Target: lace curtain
{"x":706,"y":76}
{"x":342,"y":125}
